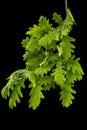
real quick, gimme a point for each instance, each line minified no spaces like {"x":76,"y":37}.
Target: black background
{"x":16,"y":18}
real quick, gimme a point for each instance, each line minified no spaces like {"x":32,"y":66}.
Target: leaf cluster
{"x":50,"y":62}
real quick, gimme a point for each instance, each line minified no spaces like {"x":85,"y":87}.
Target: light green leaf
{"x":66,"y":95}
{"x":59,"y":74}
{"x":57,"y":18}
{"x":35,"y":97}
{"x":47,"y":39}
{"x":32,"y":45}
{"x":43,"y":69}
{"x":67,"y":48}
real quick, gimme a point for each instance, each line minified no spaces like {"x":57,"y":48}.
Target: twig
{"x":66,"y":6}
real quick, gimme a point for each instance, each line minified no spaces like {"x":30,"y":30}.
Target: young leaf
{"x":57,"y":18}
{"x":59,"y":74}
{"x":66,"y":95}
{"x":35,"y":97}
{"x":67,"y":47}
{"x":13,"y":87}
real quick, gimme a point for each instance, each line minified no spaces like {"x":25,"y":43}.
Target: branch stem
{"x":66,"y":6}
